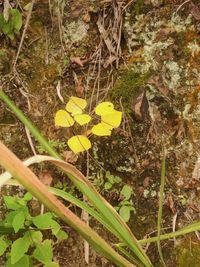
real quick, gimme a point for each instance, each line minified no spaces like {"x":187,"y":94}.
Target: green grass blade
{"x":107,"y":211}
{"x":83,"y":206}
{"x":28,"y":179}
{"x":161,"y":200}
{"x":128,"y":256}
{"x":183,"y":231}
{"x":34,"y":131}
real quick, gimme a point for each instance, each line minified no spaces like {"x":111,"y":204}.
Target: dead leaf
{"x":140,"y":107}
{"x":196,"y":171}
{"x":193,"y":207}
{"x":157,"y":82}
{"x":70,"y":157}
{"x":45,"y":177}
{"x":170,"y":203}
{"x":79,"y":87}
{"x":146,"y":182}
{"x":86,"y":17}
{"x":195,"y":11}
{"x":77,"y":61}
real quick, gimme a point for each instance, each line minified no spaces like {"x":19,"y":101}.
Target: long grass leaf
{"x":161,"y":200}
{"x":106,"y":210}
{"x":30,"y":181}
{"x":34,"y":131}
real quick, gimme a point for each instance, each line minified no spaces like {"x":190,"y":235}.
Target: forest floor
{"x":143,"y":56}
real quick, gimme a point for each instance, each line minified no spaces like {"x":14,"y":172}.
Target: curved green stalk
{"x":161,"y":200}
{"x":107,"y":211}
{"x":30,"y":181}
{"x":34,"y":131}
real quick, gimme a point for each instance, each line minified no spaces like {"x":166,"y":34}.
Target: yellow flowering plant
{"x":74,"y":112}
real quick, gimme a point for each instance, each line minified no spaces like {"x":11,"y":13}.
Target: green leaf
{"x":28,"y":6}
{"x":125,"y":213}
{"x":11,"y":203}
{"x":7,"y":28}
{"x":108,"y":185}
{"x":36,"y":237}
{"x":110,"y":177}
{"x":126,"y":192}
{"x":11,"y":36}
{"x":18,"y":221}
{"x":19,"y":248}
{"x":52,"y":264}
{"x":16,"y":19}
{"x":117,"y":179}
{"x":3,"y":246}
{"x":10,"y":217}
{"x":61,"y":235}
{"x":43,"y":252}
{"x":23,"y":262}
{"x":45,"y":221}
{"x":27,"y":197}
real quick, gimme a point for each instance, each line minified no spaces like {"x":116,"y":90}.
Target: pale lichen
{"x":194,"y":48}
{"x":75,"y":31}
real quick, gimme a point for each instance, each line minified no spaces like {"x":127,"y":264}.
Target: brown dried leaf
{"x":194,"y":207}
{"x":79,"y":88}
{"x":70,"y":157}
{"x":157,"y":82}
{"x":170,"y":203}
{"x":196,"y":171}
{"x":45,"y":177}
{"x":140,"y":106}
{"x":195,"y":11}
{"x":77,"y":61}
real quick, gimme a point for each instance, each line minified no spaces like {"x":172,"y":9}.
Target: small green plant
{"x":111,"y":183}
{"x":111,"y":180}
{"x":125,"y":206}
{"x":105,"y":181}
{"x":10,"y":22}
{"x":27,"y":231}
{"x":56,"y":144}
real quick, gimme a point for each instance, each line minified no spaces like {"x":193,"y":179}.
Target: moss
{"x":188,"y":254}
{"x":5,"y":59}
{"x":139,"y":4}
{"x":128,"y":86}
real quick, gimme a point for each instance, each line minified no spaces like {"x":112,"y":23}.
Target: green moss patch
{"x":128,"y":86}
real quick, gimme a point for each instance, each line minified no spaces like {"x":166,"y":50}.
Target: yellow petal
{"x":101,"y":129}
{"x":104,"y":108}
{"x":75,"y":105}
{"x":63,"y":118}
{"x":79,"y":143}
{"x":113,"y":119}
{"x":82,"y":119}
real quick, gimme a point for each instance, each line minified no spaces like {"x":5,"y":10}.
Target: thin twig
{"x":30,"y":140}
{"x":182,"y":5}
{"x":58,"y":90}
{"x":23,"y":34}
{"x":127,"y":5}
{"x":174,"y":225}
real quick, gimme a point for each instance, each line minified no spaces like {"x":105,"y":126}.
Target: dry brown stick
{"x":23,"y":34}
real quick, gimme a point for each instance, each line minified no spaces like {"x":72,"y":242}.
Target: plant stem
{"x":161,"y":200}
{"x":34,"y":131}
